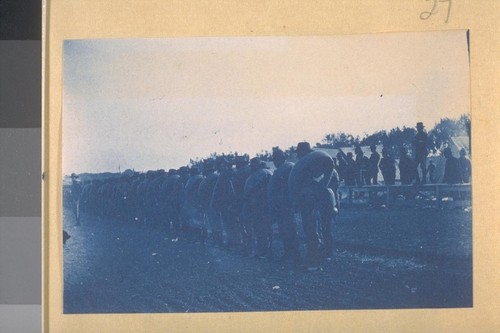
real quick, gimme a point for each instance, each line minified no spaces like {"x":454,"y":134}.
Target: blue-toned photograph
{"x":236,"y":174}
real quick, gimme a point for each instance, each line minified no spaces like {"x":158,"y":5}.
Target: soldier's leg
{"x":246,"y":220}
{"x":326,"y":207}
{"x":312,"y":238}
{"x":288,"y":234}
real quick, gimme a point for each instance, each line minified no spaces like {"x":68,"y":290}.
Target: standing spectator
{"x":431,"y":170}
{"x":406,"y":169}
{"x":451,"y":168}
{"x":420,"y":145}
{"x":388,"y":167}
{"x":465,"y":166}
{"x":373,"y":166}
{"x":342,"y":166}
{"x":361,"y":167}
{"x":350,"y":170}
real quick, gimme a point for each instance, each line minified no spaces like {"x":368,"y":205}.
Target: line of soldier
{"x":234,"y":203}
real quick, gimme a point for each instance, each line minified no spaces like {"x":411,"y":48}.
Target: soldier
{"x":172,"y":188}
{"x":223,"y":201}
{"x":196,"y":231}
{"x":205,"y":194}
{"x":256,"y":217}
{"x":184,"y":175}
{"x":240,"y":176}
{"x":308,"y":185}
{"x":76,"y":192}
{"x":280,"y":207}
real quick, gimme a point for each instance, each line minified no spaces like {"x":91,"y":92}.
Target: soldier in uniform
{"x":184,"y":175}
{"x":76,"y":192}
{"x":280,"y":207}
{"x":308,"y":184}
{"x":196,"y":230}
{"x":256,"y":217}
{"x":240,"y":176}
{"x":223,"y":201}
{"x":205,"y":194}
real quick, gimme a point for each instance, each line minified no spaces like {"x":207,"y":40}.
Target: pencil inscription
{"x":435,"y":9}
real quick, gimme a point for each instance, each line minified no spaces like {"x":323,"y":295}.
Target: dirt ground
{"x":384,"y":258}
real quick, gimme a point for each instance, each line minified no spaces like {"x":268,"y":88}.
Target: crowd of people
{"x":235,"y":201}
{"x":361,"y":170}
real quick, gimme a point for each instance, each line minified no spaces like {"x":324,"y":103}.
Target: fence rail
{"x":391,"y":195}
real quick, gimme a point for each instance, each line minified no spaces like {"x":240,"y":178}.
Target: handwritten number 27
{"x":435,"y":4}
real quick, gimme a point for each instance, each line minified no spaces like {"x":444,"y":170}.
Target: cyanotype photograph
{"x":236,"y":174}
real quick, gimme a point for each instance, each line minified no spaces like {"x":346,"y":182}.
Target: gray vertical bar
{"x":20,"y":84}
{"x":20,"y":160}
{"x":20,"y":260}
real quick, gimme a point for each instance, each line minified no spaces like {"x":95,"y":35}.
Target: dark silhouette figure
{"x":240,"y":176}
{"x":431,"y":170}
{"x":420,"y":145}
{"x":465,"y":166}
{"x":223,"y":202}
{"x":406,"y":167}
{"x":257,"y":223}
{"x":308,"y":183}
{"x":387,"y":167}
{"x":76,"y":192}
{"x":373,"y":166}
{"x":350,"y":170}
{"x":361,"y":167}
{"x":341,"y":166}
{"x":280,"y":207}
{"x":451,"y":168}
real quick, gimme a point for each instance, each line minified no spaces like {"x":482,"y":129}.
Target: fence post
{"x":438,"y":196}
{"x":388,"y":199}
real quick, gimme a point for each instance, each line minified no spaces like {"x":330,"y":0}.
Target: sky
{"x":148,"y":104}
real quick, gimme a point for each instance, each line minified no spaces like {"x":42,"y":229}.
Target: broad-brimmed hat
{"x":303,"y":148}
{"x":255,"y":162}
{"x":420,"y":124}
{"x":240,"y":161}
{"x":278,"y":154}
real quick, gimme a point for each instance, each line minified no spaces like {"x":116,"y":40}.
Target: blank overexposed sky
{"x":155,"y":103}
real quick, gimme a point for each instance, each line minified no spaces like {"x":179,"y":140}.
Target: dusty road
{"x":411,"y":258}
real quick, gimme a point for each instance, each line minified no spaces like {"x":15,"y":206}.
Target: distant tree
{"x":447,"y":128}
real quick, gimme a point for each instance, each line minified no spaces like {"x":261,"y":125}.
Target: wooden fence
{"x":393,"y":195}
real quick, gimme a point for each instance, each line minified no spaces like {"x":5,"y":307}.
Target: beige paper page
{"x":141,"y":19}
